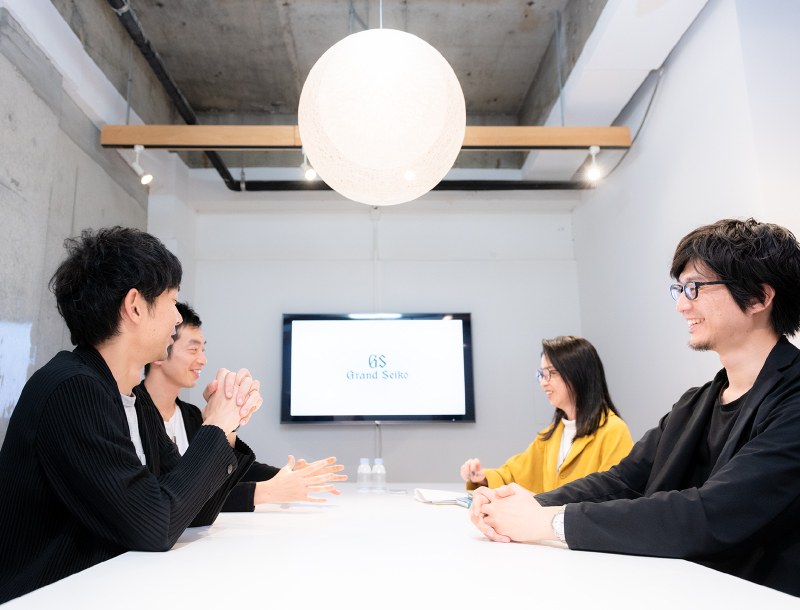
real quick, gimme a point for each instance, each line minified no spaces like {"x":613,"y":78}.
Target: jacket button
{"x":563,"y":476}
{"x":230,"y":468}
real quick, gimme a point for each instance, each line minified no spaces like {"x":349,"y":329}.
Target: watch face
{"x":558,"y":526}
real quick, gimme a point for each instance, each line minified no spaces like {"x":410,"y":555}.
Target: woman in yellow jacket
{"x":586,"y":435}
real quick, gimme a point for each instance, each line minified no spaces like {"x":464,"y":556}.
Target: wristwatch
{"x":558,"y":524}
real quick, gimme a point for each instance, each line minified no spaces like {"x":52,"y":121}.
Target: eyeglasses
{"x":545,"y":374}
{"x":690,"y":289}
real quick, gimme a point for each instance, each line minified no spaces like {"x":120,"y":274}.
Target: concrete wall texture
{"x":54,"y":181}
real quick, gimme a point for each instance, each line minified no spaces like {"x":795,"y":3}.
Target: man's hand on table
{"x":294,"y":485}
{"x":511,"y":513}
{"x":329,"y":469}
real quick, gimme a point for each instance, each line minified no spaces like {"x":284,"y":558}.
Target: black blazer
{"x":241,"y":497}
{"x":74,"y":493}
{"x":743,"y":520}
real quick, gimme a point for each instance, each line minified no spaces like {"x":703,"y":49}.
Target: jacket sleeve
{"x":615,"y":445}
{"x":526,"y":465}
{"x":94,"y":470}
{"x":170,"y":457}
{"x":242,"y":496}
{"x":625,"y":480}
{"x":757,"y":486}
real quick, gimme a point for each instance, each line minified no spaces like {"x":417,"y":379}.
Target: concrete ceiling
{"x":253,"y":56}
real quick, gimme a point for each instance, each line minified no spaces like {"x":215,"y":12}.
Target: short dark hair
{"x":100,"y":269}
{"x":748,"y":254}
{"x":579,"y":365}
{"x":189,"y":317}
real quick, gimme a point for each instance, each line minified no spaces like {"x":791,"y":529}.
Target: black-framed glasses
{"x":690,"y":289}
{"x":545,"y":374}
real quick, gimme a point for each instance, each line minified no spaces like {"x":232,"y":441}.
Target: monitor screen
{"x":377,"y":367}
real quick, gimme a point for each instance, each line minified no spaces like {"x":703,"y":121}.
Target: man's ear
{"x":133,"y":306}
{"x":157,"y":362}
{"x":769,"y":296}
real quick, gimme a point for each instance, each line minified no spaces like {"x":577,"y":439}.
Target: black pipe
{"x":131,"y":23}
{"x":444,"y":185}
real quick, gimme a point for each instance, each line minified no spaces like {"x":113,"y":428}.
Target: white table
{"x":386,"y":551}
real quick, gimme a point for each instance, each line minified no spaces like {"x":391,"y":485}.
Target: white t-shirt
{"x":570,"y":429}
{"x":129,"y":402}
{"x":176,"y":431}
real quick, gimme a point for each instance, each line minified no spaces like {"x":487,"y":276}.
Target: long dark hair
{"x":580,"y":367}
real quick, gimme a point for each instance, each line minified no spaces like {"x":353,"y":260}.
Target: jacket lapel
{"x":577,"y":447}
{"x":145,"y":408}
{"x":94,"y":360}
{"x":670,"y":474}
{"x":552,"y":454}
{"x":781,"y":356}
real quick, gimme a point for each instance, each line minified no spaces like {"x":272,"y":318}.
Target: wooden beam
{"x":202,"y":137}
{"x":287,"y":137}
{"x":530,"y":138}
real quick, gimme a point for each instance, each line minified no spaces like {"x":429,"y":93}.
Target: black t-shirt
{"x":718,"y":429}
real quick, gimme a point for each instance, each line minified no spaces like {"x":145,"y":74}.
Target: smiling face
{"x":714,"y":319}
{"x":556,"y":390}
{"x":187,"y":357}
{"x":162,"y":318}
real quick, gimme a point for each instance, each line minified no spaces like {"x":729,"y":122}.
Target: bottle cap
{"x":365,"y":461}
{"x":378,"y":461}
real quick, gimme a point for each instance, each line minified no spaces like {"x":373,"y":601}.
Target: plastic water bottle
{"x":364,"y":475}
{"x":378,"y":476}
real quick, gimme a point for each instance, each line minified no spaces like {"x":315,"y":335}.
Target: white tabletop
{"x":386,"y":550}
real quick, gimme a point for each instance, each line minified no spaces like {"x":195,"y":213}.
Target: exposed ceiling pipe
{"x":128,"y":19}
{"x":444,"y":185}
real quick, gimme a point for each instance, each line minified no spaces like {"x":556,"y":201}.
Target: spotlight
{"x":594,"y":171}
{"x":309,"y":172}
{"x":146,"y":178}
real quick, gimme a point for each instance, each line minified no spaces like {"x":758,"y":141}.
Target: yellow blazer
{"x":536,"y":471}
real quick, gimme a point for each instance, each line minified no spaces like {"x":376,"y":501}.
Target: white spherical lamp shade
{"x":382,"y":117}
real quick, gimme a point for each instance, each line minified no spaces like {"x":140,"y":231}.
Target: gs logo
{"x":377,"y":361}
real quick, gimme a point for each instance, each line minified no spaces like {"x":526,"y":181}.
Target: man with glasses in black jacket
{"x":77,"y":487}
{"x":718,"y":480}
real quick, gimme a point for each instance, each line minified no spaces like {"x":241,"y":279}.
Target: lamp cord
{"x":381,"y":11}
{"x":641,"y":125}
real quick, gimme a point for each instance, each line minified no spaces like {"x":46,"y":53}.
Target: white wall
{"x":720,"y":142}
{"x":508,"y":263}
{"x":770,"y":54}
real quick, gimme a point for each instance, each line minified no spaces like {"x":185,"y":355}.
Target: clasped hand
{"x":235,"y":404}
{"x":511,"y":513}
{"x":294,"y":482}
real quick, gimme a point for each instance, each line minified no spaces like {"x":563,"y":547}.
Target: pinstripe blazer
{"x":73,"y":492}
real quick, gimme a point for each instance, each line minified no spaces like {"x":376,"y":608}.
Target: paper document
{"x":434,"y":496}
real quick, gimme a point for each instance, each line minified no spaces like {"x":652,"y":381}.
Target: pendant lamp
{"x":382,"y":117}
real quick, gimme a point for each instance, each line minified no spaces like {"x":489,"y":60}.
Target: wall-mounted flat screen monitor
{"x":349,"y":368}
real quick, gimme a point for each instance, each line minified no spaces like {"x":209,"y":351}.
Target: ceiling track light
{"x":594,"y":171}
{"x":145,"y":178}
{"x":309,"y":173}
